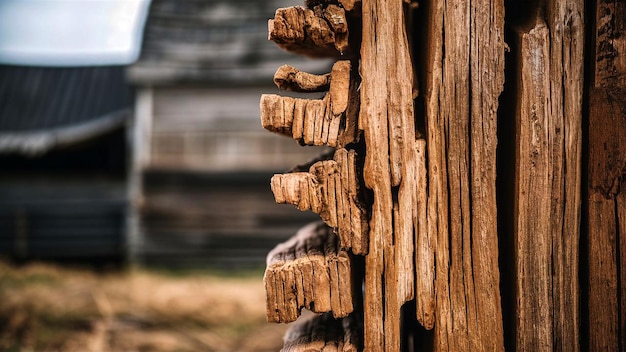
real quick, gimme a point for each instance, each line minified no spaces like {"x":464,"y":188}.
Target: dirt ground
{"x":49,"y":308}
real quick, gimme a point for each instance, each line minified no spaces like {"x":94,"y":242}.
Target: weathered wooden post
{"x":412,"y":185}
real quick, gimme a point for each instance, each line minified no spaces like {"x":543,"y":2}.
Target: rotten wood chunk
{"x":312,"y":33}
{"x":309,"y":271}
{"x":324,"y":333}
{"x":330,"y":189}
{"x":330,"y":121}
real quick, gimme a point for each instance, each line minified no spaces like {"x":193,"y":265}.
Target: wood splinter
{"x":330,"y":189}
{"x":330,"y":121}
{"x":309,"y":271}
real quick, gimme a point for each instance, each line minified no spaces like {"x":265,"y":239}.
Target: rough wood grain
{"x":308,"y":32}
{"x":547,"y":182}
{"x":324,"y":333}
{"x":387,"y":119}
{"x":424,"y":245}
{"x":329,"y":121}
{"x":533,"y":193}
{"x":308,"y":271}
{"x":329,"y":189}
{"x":461,"y":138}
{"x":606,"y":187}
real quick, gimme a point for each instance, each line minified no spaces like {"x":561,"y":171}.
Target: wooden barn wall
{"x":212,"y":220}
{"x":217,"y":130}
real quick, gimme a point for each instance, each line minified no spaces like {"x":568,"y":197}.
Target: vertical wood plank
{"x":387,"y":120}
{"x":461,"y":97}
{"x":533,"y":193}
{"x":547,"y":192}
{"x":566,"y":22}
{"x":607,"y":166}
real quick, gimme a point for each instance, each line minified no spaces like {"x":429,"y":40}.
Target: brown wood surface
{"x":547,"y":178}
{"x":324,"y":333}
{"x":312,"y":33}
{"x":464,"y":75}
{"x":309,"y":271}
{"x":433,"y":217}
{"x":606,"y":186}
{"x":329,"y":121}
{"x":329,"y":189}
{"x":387,"y":120}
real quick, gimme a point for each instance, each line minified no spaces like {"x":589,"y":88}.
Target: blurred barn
{"x":161,"y":160}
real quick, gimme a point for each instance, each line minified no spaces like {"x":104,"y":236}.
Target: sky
{"x":71,"y":32}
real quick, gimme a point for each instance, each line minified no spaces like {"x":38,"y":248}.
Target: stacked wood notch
{"x":323,"y":333}
{"x":331,"y":189}
{"x":309,"y":271}
{"x":330,"y":121}
{"x":313,"y":270}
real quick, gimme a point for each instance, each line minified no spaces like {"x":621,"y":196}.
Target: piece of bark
{"x":310,"y":271}
{"x":302,"y":31}
{"x":464,"y":66}
{"x":330,"y":189}
{"x":324,"y":333}
{"x":329,"y":121}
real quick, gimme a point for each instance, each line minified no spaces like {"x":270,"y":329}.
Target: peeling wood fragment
{"x":312,"y":257}
{"x":329,"y":189}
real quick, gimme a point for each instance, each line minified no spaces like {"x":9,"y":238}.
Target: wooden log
{"x":329,"y":121}
{"x":606,"y":186}
{"x":324,"y":333}
{"x":461,"y":97}
{"x":303,"y":31}
{"x":329,"y":189}
{"x":310,"y":271}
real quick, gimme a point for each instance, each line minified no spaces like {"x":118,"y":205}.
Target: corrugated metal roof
{"x":220,"y":42}
{"x":35,"y":101}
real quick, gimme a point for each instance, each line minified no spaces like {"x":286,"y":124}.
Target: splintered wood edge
{"x":322,"y":333}
{"x":311,"y":271}
{"x":331,"y":190}
{"x":301,"y":31}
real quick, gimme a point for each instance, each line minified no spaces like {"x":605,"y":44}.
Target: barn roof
{"x":214,"y":42}
{"x":44,"y":107}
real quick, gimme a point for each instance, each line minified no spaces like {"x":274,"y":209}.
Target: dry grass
{"x":47,"y":308}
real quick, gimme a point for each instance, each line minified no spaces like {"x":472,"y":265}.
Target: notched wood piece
{"x":331,"y":190}
{"x":330,"y":121}
{"x":324,"y":333}
{"x":304,"y":272}
{"x":302,"y":31}
{"x":290,"y":78}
